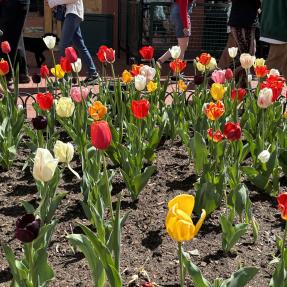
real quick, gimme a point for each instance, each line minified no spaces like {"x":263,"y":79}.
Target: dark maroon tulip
{"x":27,"y":228}
{"x":198,"y":79}
{"x":74,"y":80}
{"x":39,"y":122}
{"x":36,"y":78}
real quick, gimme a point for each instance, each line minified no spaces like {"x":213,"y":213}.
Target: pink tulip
{"x":218,"y":76}
{"x":76,"y":94}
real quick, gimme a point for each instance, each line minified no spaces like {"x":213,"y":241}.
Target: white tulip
{"x":212,"y":64}
{"x":77,"y":66}
{"x":265,"y":98}
{"x":175,"y":52}
{"x":247,"y":61}
{"x":140,"y":82}
{"x":65,"y":107}
{"x":232,"y":52}
{"x":273,"y":72}
{"x":64,"y":152}
{"x":264,"y":156}
{"x":44,"y":165}
{"x":50,"y":42}
{"x":148,"y":72}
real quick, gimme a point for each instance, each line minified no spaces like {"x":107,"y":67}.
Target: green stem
{"x":107,"y":183}
{"x":29,"y":253}
{"x":181,"y":272}
{"x":113,"y":72}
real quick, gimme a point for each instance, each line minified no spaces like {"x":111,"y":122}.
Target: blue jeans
{"x":71,"y":34}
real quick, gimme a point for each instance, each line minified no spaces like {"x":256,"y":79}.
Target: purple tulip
{"x":27,"y":228}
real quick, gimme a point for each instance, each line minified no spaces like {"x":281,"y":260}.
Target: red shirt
{"x":183,"y":8}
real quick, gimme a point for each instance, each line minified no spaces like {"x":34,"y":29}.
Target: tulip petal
{"x":200,"y":221}
{"x":185,"y":202}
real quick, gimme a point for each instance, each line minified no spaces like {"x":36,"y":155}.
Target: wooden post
{"x":48,"y":25}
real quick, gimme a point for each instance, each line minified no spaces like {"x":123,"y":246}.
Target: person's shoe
{"x":24,"y":79}
{"x":91,"y":80}
{"x":159,"y":64}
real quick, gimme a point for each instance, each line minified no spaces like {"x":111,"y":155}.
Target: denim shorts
{"x":176,"y":20}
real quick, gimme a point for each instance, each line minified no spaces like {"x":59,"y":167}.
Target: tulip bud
{"x":44,"y":165}
{"x":217,"y":91}
{"x":65,"y":107}
{"x":77,"y":66}
{"x":175,"y":52}
{"x":44,"y":71}
{"x":140,"y":82}
{"x":101,"y":135}
{"x":147,"y":53}
{"x":4,"y":68}
{"x":50,"y":42}
{"x":246,"y":60}
{"x":140,"y":108}
{"x":264,"y":156}
{"x":27,"y":228}
{"x":228,"y":74}
{"x":71,"y":54}
{"x":36,"y":78}
{"x":232,"y":52}
{"x":58,"y":72}
{"x":265,"y":98}
{"x":39,"y":122}
{"x":5,"y":47}
{"x":63,"y":152}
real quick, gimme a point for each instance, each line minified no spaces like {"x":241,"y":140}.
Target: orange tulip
{"x":177,"y":65}
{"x":4,"y":68}
{"x":215,"y":136}
{"x":261,"y":71}
{"x":214,"y":111}
{"x":97,"y":111}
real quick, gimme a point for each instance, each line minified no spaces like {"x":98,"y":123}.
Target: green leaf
{"x":199,"y":151}
{"x":231,"y":234}
{"x":197,"y":278}
{"x":29,"y":208}
{"x":44,"y":272}
{"x":84,"y":244}
{"x":241,"y":277}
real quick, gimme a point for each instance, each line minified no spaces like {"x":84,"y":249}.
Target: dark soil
{"x":145,"y":243}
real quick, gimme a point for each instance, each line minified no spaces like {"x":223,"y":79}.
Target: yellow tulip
{"x":182,"y":86}
{"x":58,"y":72}
{"x":259,"y":62}
{"x":126,"y":77}
{"x":97,"y":111}
{"x":151,"y":86}
{"x":217,"y":91}
{"x":178,"y":222}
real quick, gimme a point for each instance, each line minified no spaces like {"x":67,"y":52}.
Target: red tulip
{"x":101,"y":136}
{"x":110,"y":55}
{"x":228,"y":74}
{"x":232,"y":131}
{"x":5,"y":47}
{"x":66,"y":65}
{"x":71,"y":55}
{"x":101,"y":53}
{"x":204,"y":59}
{"x":140,"y":108}
{"x":147,"y":52}
{"x":44,"y":71}
{"x":239,"y":93}
{"x":282,"y":204}
{"x":177,"y":65}
{"x":4,"y":68}
{"x":45,"y":101}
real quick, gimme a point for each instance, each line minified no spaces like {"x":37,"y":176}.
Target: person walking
{"x":274,"y":32}
{"x":13,"y":14}
{"x":180,"y":18}
{"x":71,"y":34}
{"x":242,"y":22}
